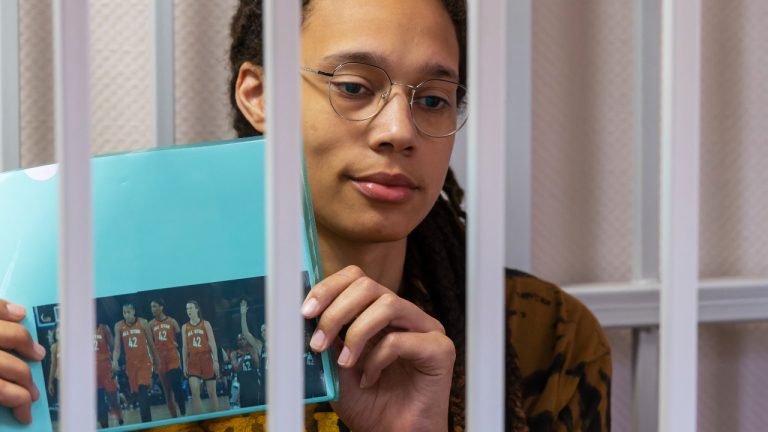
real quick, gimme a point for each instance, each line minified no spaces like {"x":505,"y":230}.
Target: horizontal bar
{"x":637,"y":304}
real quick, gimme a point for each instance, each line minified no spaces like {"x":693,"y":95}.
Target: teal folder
{"x":177,"y":223}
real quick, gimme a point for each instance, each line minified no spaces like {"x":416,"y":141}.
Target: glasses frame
{"x":385,"y":95}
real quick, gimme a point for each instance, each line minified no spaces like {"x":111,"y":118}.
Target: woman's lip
{"x":392,"y":188}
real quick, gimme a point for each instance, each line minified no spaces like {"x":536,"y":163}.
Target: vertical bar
{"x":646,"y":203}
{"x":646,"y":99}
{"x":164,"y":85}
{"x":71,"y":41}
{"x":9,"y":86}
{"x":519,"y":141}
{"x":485,"y":231}
{"x":680,"y":126}
{"x":285,"y":330}
{"x":645,"y":379}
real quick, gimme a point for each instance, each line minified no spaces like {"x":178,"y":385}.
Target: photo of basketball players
{"x":140,"y":356}
{"x":200,"y":356}
{"x":246,"y":363}
{"x":156,"y":370}
{"x":164,"y":329}
{"x":106,"y":386}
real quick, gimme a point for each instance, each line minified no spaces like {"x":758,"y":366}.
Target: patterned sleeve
{"x":562,"y":357}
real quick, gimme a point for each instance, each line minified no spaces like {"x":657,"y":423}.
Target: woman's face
{"x":374,"y":180}
{"x":191,"y":311}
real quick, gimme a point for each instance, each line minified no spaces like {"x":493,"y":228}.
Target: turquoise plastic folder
{"x":177,"y":223}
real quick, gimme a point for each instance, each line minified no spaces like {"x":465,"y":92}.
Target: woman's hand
{"x":17,"y":390}
{"x":396,"y":363}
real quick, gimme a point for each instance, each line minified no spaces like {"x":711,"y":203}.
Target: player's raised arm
{"x":214,"y":351}
{"x":255,"y":343}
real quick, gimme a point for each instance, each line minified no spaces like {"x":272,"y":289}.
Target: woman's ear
{"x":249,"y":94}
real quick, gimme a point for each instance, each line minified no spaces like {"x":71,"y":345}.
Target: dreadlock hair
{"x":435,"y":269}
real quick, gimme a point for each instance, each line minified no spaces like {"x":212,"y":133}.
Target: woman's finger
{"x":14,"y":336}
{"x":16,"y":370}
{"x":325,"y":291}
{"x":431,"y":354}
{"x":18,"y":398}
{"x":11,"y":311}
{"x":348,"y":304}
{"x":388,"y":312}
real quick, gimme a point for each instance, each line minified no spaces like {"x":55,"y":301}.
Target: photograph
{"x":176,"y":352}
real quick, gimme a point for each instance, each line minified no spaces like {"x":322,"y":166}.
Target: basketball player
{"x":140,"y":356}
{"x":106,"y":386}
{"x":246,"y":362}
{"x":200,"y":356}
{"x":164,"y":329}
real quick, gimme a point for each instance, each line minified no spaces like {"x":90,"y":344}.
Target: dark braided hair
{"x":434,"y":275}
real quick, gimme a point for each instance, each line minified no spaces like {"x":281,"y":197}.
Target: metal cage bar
{"x":285,"y":381}
{"x":163,"y":80}
{"x":519,"y":140}
{"x":71,"y":41}
{"x":485,"y":231}
{"x":9,"y":86}
{"x":680,"y":129}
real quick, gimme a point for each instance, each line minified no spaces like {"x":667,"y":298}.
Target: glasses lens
{"x":439,"y":107}
{"x":357,"y":90}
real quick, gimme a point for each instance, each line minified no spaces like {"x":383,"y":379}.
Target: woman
{"x":200,"y":357}
{"x":391,"y":228}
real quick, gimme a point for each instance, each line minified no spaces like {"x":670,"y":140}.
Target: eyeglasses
{"x":359,"y":91}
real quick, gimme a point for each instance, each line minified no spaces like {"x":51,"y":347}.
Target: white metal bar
{"x":645,"y":379}
{"x":646,"y":97}
{"x":519,"y":141}
{"x":680,"y":131}
{"x":637,"y":304}
{"x":164,"y":85}
{"x":71,"y":41}
{"x":284,"y":293}
{"x":9,"y":86}
{"x":485,"y":231}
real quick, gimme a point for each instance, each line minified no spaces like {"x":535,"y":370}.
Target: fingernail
{"x":39,"y":350}
{"x":317,"y":340}
{"x":344,"y":356}
{"x":35,"y":393}
{"x":310,"y":307}
{"x":363,"y":381}
{"x":17,"y":310}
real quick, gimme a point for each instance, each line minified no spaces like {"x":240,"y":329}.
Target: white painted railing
{"x":73,"y":153}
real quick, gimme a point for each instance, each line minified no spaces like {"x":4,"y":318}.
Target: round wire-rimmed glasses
{"x":359,"y":91}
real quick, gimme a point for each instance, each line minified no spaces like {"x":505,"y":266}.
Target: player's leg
{"x":176,"y":382}
{"x":168,"y":392}
{"x":102,"y":411}
{"x":114,"y":405}
{"x":144,"y":378}
{"x":212,"y":396}
{"x":194,"y":387}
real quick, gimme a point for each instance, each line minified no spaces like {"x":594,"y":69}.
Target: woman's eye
{"x":351,"y":89}
{"x":433,"y":102}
